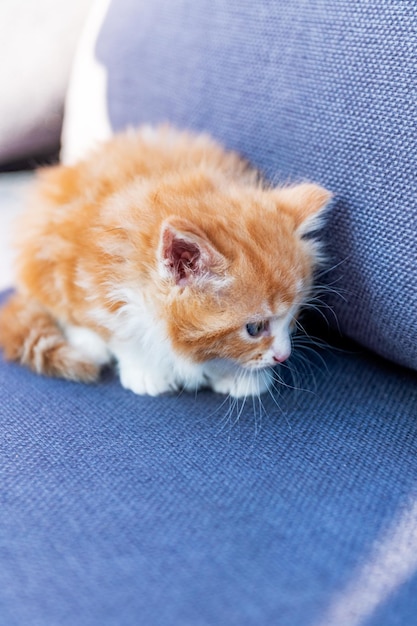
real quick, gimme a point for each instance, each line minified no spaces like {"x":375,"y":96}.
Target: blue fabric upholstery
{"x":120,"y":509}
{"x":318,"y":90}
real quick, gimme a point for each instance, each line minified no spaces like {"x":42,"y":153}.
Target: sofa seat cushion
{"x":121,"y":509}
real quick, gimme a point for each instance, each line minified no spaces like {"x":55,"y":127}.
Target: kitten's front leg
{"x":141,"y":377}
{"x":238,"y":382}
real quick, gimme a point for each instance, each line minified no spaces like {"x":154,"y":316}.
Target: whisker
{"x":317,"y":308}
{"x":264,"y":376}
{"x":275,"y":401}
{"x":224,"y":422}
{"x":240,"y":377}
{"x":327,"y":270}
{"x":306,"y":366}
{"x":277,"y":379}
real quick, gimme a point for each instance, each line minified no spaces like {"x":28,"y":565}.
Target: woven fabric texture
{"x":119,"y":509}
{"x":318,"y":90}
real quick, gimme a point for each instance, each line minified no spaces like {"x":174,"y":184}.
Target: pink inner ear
{"x":187,"y":255}
{"x":185,"y":260}
{"x":182,"y":257}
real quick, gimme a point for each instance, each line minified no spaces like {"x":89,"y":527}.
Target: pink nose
{"x":280,"y":358}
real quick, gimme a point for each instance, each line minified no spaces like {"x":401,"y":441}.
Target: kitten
{"x":163,"y":252}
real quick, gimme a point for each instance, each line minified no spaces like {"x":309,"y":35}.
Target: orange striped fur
{"x":157,"y":251}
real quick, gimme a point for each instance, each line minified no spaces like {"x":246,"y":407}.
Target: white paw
{"x":144,"y":383}
{"x":243,"y":384}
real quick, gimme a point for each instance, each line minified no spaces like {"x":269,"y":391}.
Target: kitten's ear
{"x":306,"y":203}
{"x":186,"y":255}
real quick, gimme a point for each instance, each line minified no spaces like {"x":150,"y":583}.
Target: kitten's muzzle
{"x":279,"y":357}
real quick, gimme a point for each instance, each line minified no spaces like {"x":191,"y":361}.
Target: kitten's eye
{"x":255,"y":329}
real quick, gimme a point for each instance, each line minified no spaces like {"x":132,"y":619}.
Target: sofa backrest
{"x":324,"y":91}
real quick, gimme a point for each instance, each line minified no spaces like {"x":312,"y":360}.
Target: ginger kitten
{"x":165,"y":253}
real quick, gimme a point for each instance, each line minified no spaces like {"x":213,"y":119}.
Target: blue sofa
{"x":190,"y":510}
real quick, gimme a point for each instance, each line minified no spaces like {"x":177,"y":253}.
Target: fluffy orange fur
{"x":158,"y":228}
